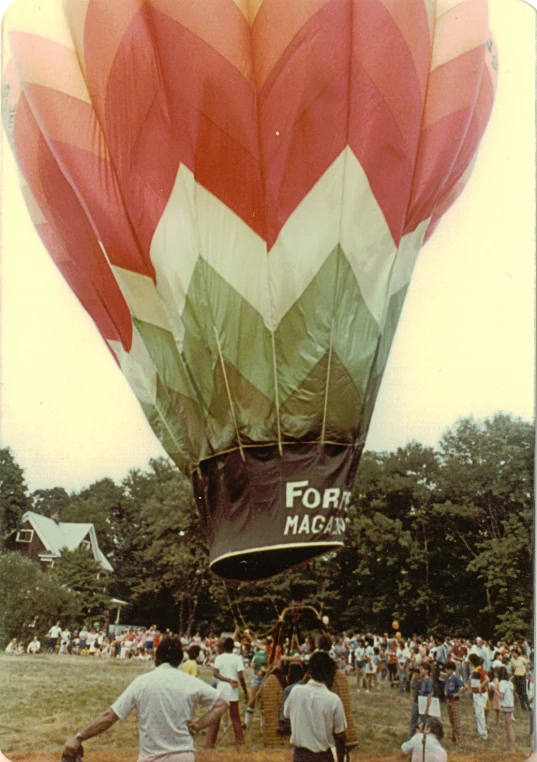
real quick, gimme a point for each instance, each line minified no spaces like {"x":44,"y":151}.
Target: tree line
{"x":437,"y":538}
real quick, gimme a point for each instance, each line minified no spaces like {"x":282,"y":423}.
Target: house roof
{"x":57,"y":536}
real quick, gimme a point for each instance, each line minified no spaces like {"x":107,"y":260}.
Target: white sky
{"x":465,"y":343}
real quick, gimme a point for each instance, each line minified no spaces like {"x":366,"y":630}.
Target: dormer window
{"x":86,"y":544}
{"x":25,"y":535}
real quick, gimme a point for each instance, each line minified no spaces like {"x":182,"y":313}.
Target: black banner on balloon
{"x":268,"y":512}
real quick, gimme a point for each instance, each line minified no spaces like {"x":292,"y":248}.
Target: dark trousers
{"x":520,"y":689}
{"x":305,"y":755}
{"x":212,"y":731}
{"x":415,"y":719}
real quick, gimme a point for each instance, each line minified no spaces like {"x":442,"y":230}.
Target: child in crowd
{"x":454,"y":687}
{"x":495,"y":697}
{"x":191,"y":667}
{"x":507,"y":707}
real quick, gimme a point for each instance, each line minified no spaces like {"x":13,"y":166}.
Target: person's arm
{"x":405,"y":750}
{"x":462,"y":688}
{"x":429,"y":689}
{"x":233,"y":683}
{"x":210,"y":717}
{"x":104,"y":721}
{"x":242,"y":681}
{"x":339,"y":739}
{"x":428,"y":704}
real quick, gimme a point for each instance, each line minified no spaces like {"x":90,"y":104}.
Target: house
{"x":42,"y":539}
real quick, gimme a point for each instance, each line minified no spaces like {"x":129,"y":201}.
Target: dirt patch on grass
{"x":262,"y":757}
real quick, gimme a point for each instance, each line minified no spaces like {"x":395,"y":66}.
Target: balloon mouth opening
{"x":265,"y":563}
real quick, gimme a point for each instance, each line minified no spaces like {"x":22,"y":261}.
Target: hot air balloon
{"x":237,"y":191}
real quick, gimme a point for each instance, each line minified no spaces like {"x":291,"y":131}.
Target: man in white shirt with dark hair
{"x":165,"y":700}
{"x":316,"y":714}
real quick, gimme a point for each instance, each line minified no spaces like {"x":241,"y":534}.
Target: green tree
{"x":487,"y":486}
{"x":78,"y":572}
{"x":14,"y":497}
{"x":175,"y":556}
{"x":402,"y":561}
{"x":30,"y":600}
{"x":99,"y":504}
{"x":50,"y":501}
{"x":256,"y":606}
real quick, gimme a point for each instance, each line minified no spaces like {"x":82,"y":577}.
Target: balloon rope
{"x":230,"y":605}
{"x":323,"y":430}
{"x":228,"y":390}
{"x":276,"y":396}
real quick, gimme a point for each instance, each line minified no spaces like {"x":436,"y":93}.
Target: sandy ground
{"x":260,"y":757}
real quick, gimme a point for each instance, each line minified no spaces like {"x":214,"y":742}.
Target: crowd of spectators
{"x":432,"y":670}
{"x":115,"y":642}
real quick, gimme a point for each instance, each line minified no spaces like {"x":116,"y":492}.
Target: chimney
{"x":55,"y":515}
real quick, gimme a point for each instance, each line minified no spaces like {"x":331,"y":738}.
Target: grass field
{"x":45,"y":699}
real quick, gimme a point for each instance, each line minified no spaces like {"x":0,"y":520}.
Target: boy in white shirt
{"x":228,"y":669}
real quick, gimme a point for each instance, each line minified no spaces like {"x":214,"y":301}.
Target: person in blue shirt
{"x":422,"y":685}
{"x":454,"y":687}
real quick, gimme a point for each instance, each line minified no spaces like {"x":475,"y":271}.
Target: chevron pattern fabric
{"x":237,"y":191}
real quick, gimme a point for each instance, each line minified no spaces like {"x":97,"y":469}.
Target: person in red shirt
{"x":479,"y":681}
{"x":459,"y":652}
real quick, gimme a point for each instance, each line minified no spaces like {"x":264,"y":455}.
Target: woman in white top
{"x":360,"y":662}
{"x":504,"y":690}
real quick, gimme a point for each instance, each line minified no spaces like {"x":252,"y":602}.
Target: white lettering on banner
{"x":345,"y":500}
{"x":291,"y":523}
{"x":314,"y":525}
{"x":292,"y":490}
{"x":312,"y":498}
{"x":332,"y":497}
{"x":305,"y":525}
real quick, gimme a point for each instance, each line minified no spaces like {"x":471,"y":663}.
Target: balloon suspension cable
{"x":228,"y":390}
{"x":328,"y":370}
{"x":276,"y":396}
{"x":231,"y":606}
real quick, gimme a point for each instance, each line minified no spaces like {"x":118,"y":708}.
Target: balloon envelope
{"x":237,"y":191}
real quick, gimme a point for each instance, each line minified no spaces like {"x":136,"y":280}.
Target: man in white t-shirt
{"x":53,"y":636}
{"x":316,"y":714}
{"x":426,"y":746}
{"x":228,"y":669}
{"x":165,"y":700}
{"x":34,"y":646}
